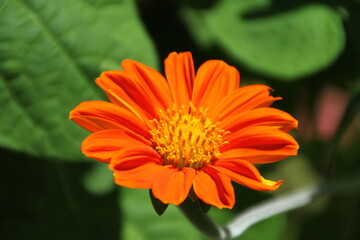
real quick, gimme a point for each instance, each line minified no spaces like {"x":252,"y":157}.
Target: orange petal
{"x":259,"y":117}
{"x":103,"y":145}
{"x":140,"y":177}
{"x":136,"y":165}
{"x":261,"y":144}
{"x":214,"y":80}
{"x":151,"y":82}
{"x":100,"y":115}
{"x":133,"y":154}
{"x":122,"y":90}
{"x":260,"y":156}
{"x":243,"y":100}
{"x":179,"y":69}
{"x":171,"y":185}
{"x":214,"y":188}
{"x":246,"y":174}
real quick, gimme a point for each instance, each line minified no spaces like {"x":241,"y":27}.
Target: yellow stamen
{"x":186,"y":137}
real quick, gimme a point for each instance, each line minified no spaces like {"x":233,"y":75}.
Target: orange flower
{"x":186,"y":133}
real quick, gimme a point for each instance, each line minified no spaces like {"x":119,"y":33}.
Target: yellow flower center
{"x":186,"y":137}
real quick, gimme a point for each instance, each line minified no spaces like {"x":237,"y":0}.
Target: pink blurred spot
{"x":329,"y":110}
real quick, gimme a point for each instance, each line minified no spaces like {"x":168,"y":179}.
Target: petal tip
{"x":73,"y":114}
{"x":271,"y":184}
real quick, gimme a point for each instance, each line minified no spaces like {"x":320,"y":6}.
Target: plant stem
{"x":270,"y":208}
{"x":202,"y":221}
{"x":289,"y":202}
{"x":266,"y":209}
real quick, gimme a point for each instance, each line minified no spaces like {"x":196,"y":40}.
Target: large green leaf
{"x":50,"y":53}
{"x":286,"y":45}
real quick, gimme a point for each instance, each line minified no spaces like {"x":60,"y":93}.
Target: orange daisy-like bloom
{"x":185,"y":133}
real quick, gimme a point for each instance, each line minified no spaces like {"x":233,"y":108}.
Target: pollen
{"x":186,"y":137}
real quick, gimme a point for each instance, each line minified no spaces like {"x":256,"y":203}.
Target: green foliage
{"x":271,"y":229}
{"x":50,"y":53}
{"x":52,"y":50}
{"x":286,"y":45}
{"x":45,"y":200}
{"x":142,"y":223}
{"x":99,"y":180}
{"x":158,"y":205}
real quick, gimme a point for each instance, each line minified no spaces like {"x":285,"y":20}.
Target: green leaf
{"x":99,"y":180}
{"x":158,"y":205}
{"x":50,"y":54}
{"x":270,"y":229}
{"x":140,"y":222}
{"x":286,"y":45}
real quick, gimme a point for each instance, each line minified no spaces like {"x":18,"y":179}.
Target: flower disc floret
{"x":186,"y":137}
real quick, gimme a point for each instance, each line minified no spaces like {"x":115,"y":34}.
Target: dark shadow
{"x":45,"y":199}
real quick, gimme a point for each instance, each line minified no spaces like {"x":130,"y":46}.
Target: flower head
{"x":185,"y":133}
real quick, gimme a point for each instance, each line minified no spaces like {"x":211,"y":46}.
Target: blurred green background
{"x":52,"y":50}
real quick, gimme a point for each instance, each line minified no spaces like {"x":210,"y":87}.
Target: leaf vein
{"x":65,"y":51}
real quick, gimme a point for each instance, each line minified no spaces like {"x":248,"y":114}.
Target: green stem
{"x":266,"y":209}
{"x":289,"y":202}
{"x":202,"y":221}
